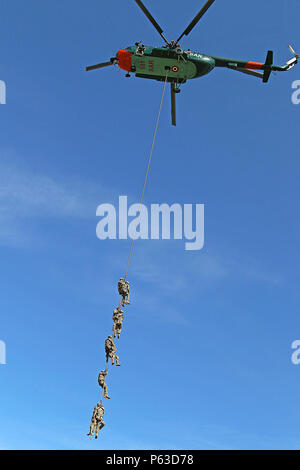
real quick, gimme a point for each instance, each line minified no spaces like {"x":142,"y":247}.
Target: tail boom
{"x":248,"y":66}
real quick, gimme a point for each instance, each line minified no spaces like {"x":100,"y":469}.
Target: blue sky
{"x":205,"y":350}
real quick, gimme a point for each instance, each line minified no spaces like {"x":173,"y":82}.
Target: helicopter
{"x":176,"y":65}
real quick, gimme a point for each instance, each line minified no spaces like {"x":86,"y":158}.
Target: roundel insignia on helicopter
{"x":175,"y":68}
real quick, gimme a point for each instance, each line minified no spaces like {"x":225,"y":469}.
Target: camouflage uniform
{"x":97,"y":420}
{"x":123,"y":288}
{"x":102,"y":382}
{"x":118,"y":321}
{"x":93,"y":423}
{"x":111,"y":351}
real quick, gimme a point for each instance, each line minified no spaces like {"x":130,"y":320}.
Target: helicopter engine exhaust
{"x":124,"y":60}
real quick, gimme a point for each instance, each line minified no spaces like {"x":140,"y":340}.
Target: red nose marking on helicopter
{"x":253,"y":65}
{"x":124,"y":58}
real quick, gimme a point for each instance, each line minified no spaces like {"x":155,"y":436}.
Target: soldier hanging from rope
{"x":97,"y":420}
{"x":111,"y":351}
{"x":123,"y":288}
{"x":102,"y":382}
{"x":118,"y":321}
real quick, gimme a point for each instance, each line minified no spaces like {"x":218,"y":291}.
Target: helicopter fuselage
{"x":157,"y":62}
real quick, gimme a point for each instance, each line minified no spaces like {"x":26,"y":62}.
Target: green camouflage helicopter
{"x":180,"y":65}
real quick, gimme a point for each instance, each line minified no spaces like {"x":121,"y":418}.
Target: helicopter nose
{"x":124,"y":58}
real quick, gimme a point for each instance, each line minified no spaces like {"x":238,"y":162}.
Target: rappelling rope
{"x":147,"y":171}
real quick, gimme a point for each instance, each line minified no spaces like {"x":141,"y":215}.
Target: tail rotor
{"x":297,"y":56}
{"x":293,"y":61}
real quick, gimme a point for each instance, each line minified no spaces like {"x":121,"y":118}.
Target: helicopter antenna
{"x":150,"y":18}
{"x":196,"y":19}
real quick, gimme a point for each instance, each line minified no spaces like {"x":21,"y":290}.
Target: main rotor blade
{"x":150,"y":18}
{"x":98,"y":66}
{"x":173,"y":104}
{"x":196,"y":19}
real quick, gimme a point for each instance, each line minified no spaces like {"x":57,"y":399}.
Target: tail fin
{"x":268,"y":66}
